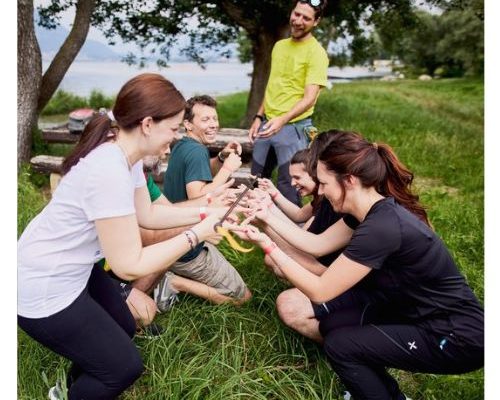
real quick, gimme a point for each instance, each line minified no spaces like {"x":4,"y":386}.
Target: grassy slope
{"x":226,"y":352}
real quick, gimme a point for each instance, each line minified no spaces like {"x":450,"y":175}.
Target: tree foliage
{"x":155,"y":25}
{"x":447,"y":44}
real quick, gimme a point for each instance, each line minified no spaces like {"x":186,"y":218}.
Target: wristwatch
{"x":221,"y":157}
{"x":259,"y":116}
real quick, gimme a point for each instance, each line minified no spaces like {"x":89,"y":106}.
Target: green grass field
{"x":226,"y":352}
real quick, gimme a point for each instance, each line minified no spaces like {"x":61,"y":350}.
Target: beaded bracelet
{"x":195,"y":235}
{"x":190,"y":240}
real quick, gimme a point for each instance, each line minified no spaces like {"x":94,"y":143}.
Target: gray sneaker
{"x":56,"y":392}
{"x":347,"y":396}
{"x":164,"y":294}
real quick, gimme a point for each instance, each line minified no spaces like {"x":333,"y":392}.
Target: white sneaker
{"x":347,"y":396}
{"x":56,"y":393}
{"x":164,"y":294}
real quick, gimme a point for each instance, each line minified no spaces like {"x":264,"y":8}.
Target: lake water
{"x":216,"y":79}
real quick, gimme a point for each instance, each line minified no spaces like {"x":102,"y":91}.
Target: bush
{"x":64,"y":102}
{"x":98,"y":100}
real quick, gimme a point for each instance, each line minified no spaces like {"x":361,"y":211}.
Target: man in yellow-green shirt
{"x":298,"y":72}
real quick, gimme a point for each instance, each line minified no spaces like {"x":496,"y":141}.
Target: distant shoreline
{"x":218,"y":78}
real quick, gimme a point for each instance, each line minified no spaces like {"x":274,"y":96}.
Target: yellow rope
{"x":233,"y":243}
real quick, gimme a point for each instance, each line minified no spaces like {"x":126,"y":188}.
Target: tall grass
{"x":226,"y":352}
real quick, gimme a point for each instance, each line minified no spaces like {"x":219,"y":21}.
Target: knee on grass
{"x":288,"y":308}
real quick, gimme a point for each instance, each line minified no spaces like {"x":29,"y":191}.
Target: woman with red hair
{"x":394,"y":298}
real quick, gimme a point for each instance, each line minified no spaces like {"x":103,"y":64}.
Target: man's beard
{"x":303,"y":33}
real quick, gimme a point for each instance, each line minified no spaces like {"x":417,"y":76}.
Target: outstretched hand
{"x":220,"y":196}
{"x":267,"y":185}
{"x":249,"y":233}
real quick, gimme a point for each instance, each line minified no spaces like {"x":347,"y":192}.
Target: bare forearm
{"x":153,"y":258}
{"x":149,"y":236}
{"x":222,"y":176}
{"x":306,"y":260}
{"x":215,"y":165}
{"x":305,"y":280}
{"x":292,"y":210}
{"x":299,"y":108}
{"x":297,"y":237}
{"x":163,"y":217}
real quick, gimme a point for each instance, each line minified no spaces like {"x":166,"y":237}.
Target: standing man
{"x":192,"y":174}
{"x":298,"y":72}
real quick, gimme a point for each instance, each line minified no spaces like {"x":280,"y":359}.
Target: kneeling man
{"x":191,"y":174}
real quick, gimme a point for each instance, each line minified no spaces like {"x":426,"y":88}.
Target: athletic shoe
{"x":164,"y":294}
{"x":56,"y":392}
{"x":347,"y":396}
{"x":152,"y":331}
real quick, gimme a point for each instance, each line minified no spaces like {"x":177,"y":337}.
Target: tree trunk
{"x":67,"y":53}
{"x":29,"y":77}
{"x":262,"y":46}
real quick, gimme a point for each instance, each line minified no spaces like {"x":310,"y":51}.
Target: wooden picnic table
{"x":52,"y":165}
{"x":61,"y":134}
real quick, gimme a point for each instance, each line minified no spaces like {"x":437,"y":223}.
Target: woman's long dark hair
{"x":146,"y":95}
{"x":375,"y":165}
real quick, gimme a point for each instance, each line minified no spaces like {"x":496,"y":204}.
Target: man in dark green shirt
{"x":191,"y":174}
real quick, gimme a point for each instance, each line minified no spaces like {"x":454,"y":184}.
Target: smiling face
{"x":205,"y":124}
{"x":163,"y":133}
{"x":330,"y":187}
{"x":302,"y":21}
{"x":301,"y":180}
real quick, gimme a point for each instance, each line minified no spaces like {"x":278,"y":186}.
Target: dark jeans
{"x":94,"y":332}
{"x":360,"y":347}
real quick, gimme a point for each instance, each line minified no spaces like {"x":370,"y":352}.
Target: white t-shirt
{"x":58,"y":248}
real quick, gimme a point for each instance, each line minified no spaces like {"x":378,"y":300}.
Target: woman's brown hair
{"x":146,"y":95}
{"x":374,"y":164}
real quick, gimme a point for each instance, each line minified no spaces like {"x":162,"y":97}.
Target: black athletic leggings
{"x":94,"y":332}
{"x":360,"y":348}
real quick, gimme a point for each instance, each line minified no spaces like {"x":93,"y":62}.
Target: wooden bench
{"x":61,"y":134}
{"x":52,"y":165}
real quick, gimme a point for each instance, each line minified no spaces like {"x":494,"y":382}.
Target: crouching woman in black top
{"x":399,"y":299}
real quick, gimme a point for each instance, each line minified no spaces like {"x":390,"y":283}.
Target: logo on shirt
{"x":413,"y":345}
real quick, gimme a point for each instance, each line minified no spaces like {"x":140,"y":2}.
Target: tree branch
{"x":236,"y":14}
{"x":67,"y":53}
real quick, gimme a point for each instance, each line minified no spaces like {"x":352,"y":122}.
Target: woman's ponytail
{"x":145,"y":95}
{"x":398,"y":183}
{"x":374,"y":164}
{"x":100,"y":129}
